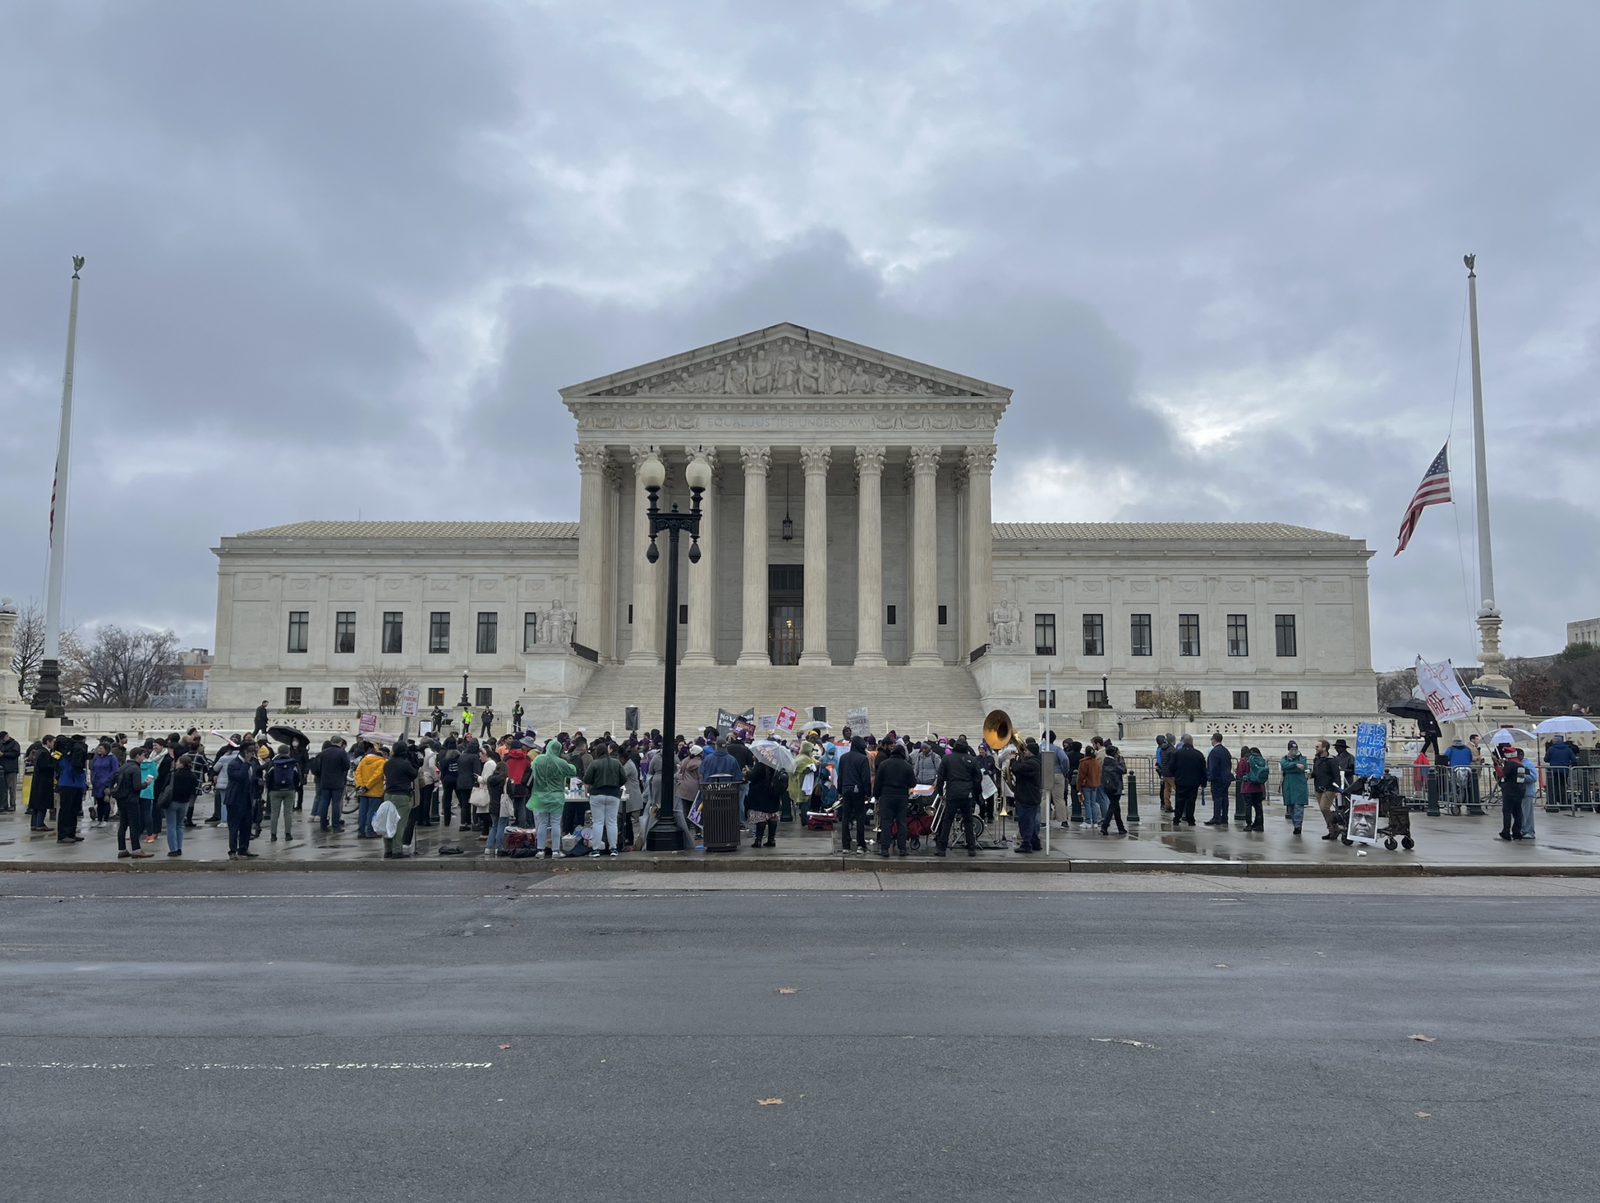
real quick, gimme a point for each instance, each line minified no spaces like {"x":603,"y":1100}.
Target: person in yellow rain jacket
{"x":369,"y":786}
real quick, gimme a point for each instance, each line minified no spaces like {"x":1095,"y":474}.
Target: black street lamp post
{"x":664,"y":834}
{"x":464,"y":702}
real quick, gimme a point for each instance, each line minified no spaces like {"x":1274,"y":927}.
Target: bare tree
{"x":378,"y":689}
{"x":28,"y":651}
{"x":1169,"y":701}
{"x":122,"y":669}
{"x":1396,"y":686}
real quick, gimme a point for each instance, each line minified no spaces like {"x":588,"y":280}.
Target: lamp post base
{"x":664,"y":835}
{"x":47,"y":695}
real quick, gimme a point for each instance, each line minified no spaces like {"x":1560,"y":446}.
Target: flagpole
{"x":1488,"y":614}
{"x":47,"y":696}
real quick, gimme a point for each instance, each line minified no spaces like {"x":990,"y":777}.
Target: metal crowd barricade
{"x":1570,"y":789}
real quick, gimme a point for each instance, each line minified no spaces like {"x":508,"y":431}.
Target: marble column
{"x":980,"y":548}
{"x":814,"y":649}
{"x":924,"y":558}
{"x":869,"y":558}
{"x":757,"y":462}
{"x":646,"y":580}
{"x":703,"y":576}
{"x":592,"y":536}
{"x":615,"y":477}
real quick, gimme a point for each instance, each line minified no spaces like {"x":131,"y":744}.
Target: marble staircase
{"x":905,"y":699}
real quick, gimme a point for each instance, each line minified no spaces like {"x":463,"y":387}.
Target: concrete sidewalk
{"x":1565,"y":845}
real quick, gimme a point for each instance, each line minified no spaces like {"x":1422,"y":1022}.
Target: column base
{"x":924,"y":659}
{"x":815,"y":660}
{"x":697,"y":658}
{"x":646,"y":659}
{"x":753,"y":660}
{"x":870,"y":660}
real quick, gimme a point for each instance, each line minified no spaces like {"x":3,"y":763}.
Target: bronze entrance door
{"x":786,"y":595}
{"x":785,"y":633}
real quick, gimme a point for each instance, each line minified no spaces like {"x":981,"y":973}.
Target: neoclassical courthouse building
{"x":849,"y":560}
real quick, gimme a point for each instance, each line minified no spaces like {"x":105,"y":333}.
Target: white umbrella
{"x":1511,"y":735}
{"x":1567,"y":722}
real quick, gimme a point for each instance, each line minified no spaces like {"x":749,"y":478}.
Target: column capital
{"x":757,"y":460}
{"x":980,"y":458}
{"x":869,"y":460}
{"x":815,"y":460}
{"x":592,"y":457}
{"x":639,"y":452}
{"x":924,"y":459}
{"x":709,"y":454}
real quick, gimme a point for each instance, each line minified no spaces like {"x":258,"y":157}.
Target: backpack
{"x":780,"y":782}
{"x":1257,"y":774}
{"x":281,"y":775}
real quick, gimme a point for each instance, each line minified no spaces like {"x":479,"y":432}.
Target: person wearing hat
{"x":1293,"y":767}
{"x":1514,"y":775}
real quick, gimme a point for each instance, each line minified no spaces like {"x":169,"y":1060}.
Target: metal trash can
{"x":719,"y":815}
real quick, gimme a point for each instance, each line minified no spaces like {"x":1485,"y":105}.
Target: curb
{"x":822,"y":864}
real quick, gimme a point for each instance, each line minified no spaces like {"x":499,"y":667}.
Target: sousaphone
{"x":1001,"y":735}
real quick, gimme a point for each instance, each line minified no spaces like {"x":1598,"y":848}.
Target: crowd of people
{"x":568,"y":795}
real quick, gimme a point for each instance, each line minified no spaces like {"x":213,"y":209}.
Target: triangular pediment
{"x":784,"y":361}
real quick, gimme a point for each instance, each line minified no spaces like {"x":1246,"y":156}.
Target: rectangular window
{"x":1283,"y":626}
{"x":1289,"y":699}
{"x":1139,"y":633}
{"x":435,"y":697}
{"x":1097,"y":700}
{"x":1144,"y":699}
{"x":388,"y":699}
{"x":944,"y":615}
{"x":1191,"y":700}
{"x":1044,"y":634}
{"x":683,"y":614}
{"x":530,"y":631}
{"x":485,"y":696}
{"x":344,"y":634}
{"x":1241,"y":699}
{"x":891,"y":616}
{"x":488,"y":634}
{"x":630,"y":614}
{"x":393,"y":632}
{"x":299,"y":631}
{"x":291,"y":696}
{"x":1094,"y":635}
{"x":1238,"y":635}
{"x":341,"y":695}
{"x":1052,"y":702}
{"x":439,"y":633}
{"x":1188,"y":634}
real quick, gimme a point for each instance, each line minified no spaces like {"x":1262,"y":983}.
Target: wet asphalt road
{"x":340,"y":1037}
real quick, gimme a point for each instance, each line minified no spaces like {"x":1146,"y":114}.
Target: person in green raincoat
{"x":803,"y":763}
{"x":548,"y":798}
{"x":1293,"y":768}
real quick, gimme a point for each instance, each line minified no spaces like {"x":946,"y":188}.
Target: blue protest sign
{"x":1372,"y":743}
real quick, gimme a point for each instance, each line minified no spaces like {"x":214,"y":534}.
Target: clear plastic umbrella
{"x":1564,"y":724}
{"x":1512,"y":735}
{"x":773,"y":754}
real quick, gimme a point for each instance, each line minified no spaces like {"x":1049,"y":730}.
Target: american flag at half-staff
{"x":1434,"y":490}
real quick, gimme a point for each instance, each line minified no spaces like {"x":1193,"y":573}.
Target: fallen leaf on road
{"x":1425,"y":1039}
{"x":1221,"y":966}
{"x":769,"y":1102}
{"x":788,"y":990}
{"x":1424,"y":1115}
{"x":505,"y":1046}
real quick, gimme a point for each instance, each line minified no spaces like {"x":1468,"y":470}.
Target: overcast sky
{"x":342,"y":255}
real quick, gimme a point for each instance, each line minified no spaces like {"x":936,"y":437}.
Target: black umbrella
{"x":1412,"y":708}
{"x":1486,"y":691}
{"x":286,"y":735}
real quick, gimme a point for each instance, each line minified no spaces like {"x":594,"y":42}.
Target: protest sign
{"x":786,"y":718}
{"x":767,"y":722}
{"x":1372,"y":744}
{"x":725,"y":720}
{"x":1441,"y":691}
{"x":369,"y":723}
{"x":1363,"y":820}
{"x":856,"y":719}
